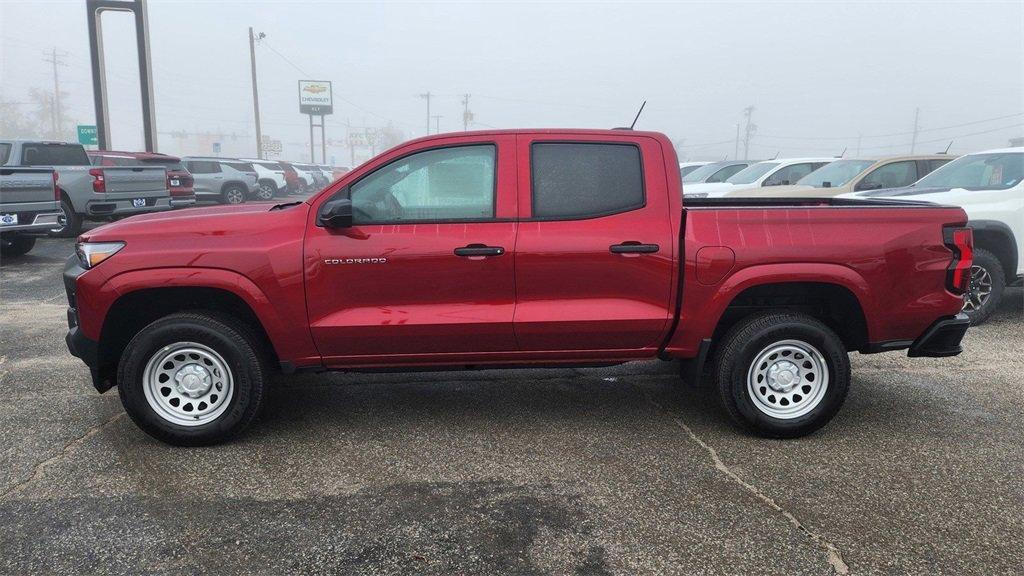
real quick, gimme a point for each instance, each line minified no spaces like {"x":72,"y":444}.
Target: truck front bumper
{"x":942,"y":338}
{"x":80,"y":345}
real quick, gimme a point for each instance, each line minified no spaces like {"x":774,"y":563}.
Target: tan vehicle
{"x":853,"y":175}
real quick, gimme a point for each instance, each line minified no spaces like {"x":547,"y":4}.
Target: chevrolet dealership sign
{"x":315,"y":97}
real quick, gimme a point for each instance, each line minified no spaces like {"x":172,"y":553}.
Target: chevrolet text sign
{"x":315,"y":97}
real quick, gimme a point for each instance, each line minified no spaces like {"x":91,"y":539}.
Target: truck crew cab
{"x":513,"y":248}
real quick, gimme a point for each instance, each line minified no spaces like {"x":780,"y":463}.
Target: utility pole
{"x":858,"y":145}
{"x":56,"y":113}
{"x":913,"y":141}
{"x":736,"y":148}
{"x":255,"y":92}
{"x":748,"y":112}
{"x":467,"y":116}
{"x":437,"y":124}
{"x":426,"y":96}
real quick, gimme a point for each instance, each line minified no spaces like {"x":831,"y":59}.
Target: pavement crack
{"x":40,"y":468}
{"x":834,"y":556}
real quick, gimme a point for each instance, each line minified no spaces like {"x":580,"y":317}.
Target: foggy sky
{"x":819,"y":74}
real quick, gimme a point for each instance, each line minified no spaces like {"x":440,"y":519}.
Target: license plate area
{"x":175,"y":182}
{"x":8,"y":219}
{"x":138,"y":202}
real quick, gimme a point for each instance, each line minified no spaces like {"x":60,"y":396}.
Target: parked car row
{"x":988,"y":185}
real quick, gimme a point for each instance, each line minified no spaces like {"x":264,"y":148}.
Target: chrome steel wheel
{"x":234,"y":196}
{"x":980,"y":291}
{"x":266,"y":191}
{"x":787,"y":379}
{"x":62,"y":220}
{"x":188,"y":384}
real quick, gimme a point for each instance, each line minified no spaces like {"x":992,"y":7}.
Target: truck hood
{"x":707,"y":188}
{"x":196,"y":222}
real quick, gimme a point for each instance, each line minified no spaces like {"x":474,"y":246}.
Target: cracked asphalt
{"x":620,"y":470}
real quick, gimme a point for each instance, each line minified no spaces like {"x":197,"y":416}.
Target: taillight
{"x":961,"y":242}
{"x":56,"y":189}
{"x":99,"y":184}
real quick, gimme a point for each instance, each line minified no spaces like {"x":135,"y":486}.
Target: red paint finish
{"x":556,"y":295}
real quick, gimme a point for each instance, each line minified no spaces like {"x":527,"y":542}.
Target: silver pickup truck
{"x":90,"y":192}
{"x":29,"y":207}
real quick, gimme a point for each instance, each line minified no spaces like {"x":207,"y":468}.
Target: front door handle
{"x":633,"y":247}
{"x":479,"y":250}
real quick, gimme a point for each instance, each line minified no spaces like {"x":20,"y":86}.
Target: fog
{"x":823,"y":77}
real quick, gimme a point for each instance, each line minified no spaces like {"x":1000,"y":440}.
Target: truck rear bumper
{"x":942,"y":338}
{"x":125,"y":207}
{"x":30,"y":223}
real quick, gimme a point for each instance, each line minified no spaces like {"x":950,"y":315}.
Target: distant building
{"x":1014,"y":142}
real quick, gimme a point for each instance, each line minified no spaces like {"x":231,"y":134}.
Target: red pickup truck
{"x":505,"y":249}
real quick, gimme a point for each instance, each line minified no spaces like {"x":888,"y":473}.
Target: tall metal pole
{"x":913,"y":141}
{"x":311,"y":160}
{"x":255,"y":93}
{"x":145,"y":74}
{"x":426,"y":96}
{"x":437,"y":123}
{"x":466,"y":114}
{"x":736,"y":148}
{"x":323,"y":141}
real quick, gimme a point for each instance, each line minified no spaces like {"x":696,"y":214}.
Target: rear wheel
{"x":16,"y":245}
{"x":988,"y":281}
{"x":233,"y":194}
{"x":267,"y":190}
{"x":191,"y":379}
{"x":69,"y":223}
{"x":782,"y":375}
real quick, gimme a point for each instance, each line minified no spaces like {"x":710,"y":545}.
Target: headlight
{"x":92,"y":253}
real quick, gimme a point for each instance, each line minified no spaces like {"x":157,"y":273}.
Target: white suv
{"x":768,"y":173}
{"x":270,"y":176}
{"x":989,"y":186}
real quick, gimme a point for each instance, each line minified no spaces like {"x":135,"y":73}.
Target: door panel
{"x":380,"y":290}
{"x":573,"y":291}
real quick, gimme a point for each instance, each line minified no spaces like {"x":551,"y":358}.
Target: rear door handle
{"x":479,"y":250}
{"x":633,"y":247}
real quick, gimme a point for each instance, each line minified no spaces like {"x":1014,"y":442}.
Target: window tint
{"x":433,"y":185}
{"x":5,"y":153}
{"x":790,"y":174}
{"x":725,"y":173}
{"x":203,"y":167}
{"x":54,"y":155}
{"x":835,"y":174}
{"x":701,"y":173}
{"x":751,"y":173}
{"x":241,"y":166}
{"x":996,"y":171}
{"x":687,"y":169}
{"x":166,"y":163}
{"x":124,"y":161}
{"x":585,"y":180}
{"x":895,"y":175}
{"x":933,"y":164}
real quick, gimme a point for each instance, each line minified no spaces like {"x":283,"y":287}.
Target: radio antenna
{"x":948,"y":146}
{"x":638,"y":114}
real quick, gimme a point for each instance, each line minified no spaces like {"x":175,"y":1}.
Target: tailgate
{"x":136,"y":180}
{"x":25,"y":186}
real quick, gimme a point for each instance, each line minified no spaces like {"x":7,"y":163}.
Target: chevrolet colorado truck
{"x":28,"y":207}
{"x":88,"y":192}
{"x":510,"y":249}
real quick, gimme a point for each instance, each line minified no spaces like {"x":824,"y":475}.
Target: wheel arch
{"x":997,"y":238}
{"x":237,"y":183}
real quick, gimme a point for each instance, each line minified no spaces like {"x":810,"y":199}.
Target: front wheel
{"x":988,"y":281}
{"x":782,"y":375}
{"x":192,"y":379}
{"x":233,"y":195}
{"x":267,"y":190}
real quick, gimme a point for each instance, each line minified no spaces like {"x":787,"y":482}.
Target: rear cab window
{"x":53,"y":154}
{"x":5,"y":153}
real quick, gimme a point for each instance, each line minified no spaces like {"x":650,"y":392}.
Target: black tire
{"x":231,"y":340}
{"x":267,"y":190}
{"x":761,"y":333}
{"x":233,"y":194}
{"x":11,"y":246}
{"x":986,"y":270}
{"x":72,"y":222}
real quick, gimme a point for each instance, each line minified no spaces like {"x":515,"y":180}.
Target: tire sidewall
{"x":837,"y":363}
{"x":985,"y":259}
{"x":267,"y":190}
{"x":72,"y":222}
{"x":227,"y":192}
{"x":246,"y":375}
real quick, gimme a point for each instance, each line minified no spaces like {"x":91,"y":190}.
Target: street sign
{"x":216,"y":147}
{"x":87,"y":135}
{"x":315,"y":97}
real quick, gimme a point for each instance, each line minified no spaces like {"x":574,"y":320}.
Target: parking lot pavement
{"x":595,"y":471}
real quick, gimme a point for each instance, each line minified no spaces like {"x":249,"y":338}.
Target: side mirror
{"x":335,"y":213}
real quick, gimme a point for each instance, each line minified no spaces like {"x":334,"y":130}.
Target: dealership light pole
{"x":426,"y":97}
{"x":255,"y":92}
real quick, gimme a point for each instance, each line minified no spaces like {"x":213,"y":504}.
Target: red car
{"x":179,"y":180}
{"x":513,"y":248}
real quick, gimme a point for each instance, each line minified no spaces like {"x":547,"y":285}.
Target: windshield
{"x":751,"y":173}
{"x":978,"y":172}
{"x":47,"y":154}
{"x":835,"y":174}
{"x":687,"y":169}
{"x":702,"y":172}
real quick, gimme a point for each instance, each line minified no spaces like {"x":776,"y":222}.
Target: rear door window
{"x":726,"y":173}
{"x":5,"y":153}
{"x":790,"y":174}
{"x":583,"y":180}
{"x":203,"y":167}
{"x":894,"y":175}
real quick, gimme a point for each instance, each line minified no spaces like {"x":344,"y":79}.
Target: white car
{"x":687,"y":167}
{"x":989,"y":186}
{"x":768,"y":173}
{"x":270,"y":176}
